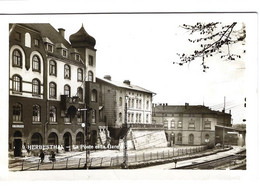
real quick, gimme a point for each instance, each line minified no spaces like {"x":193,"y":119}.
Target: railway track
{"x":220,"y":163}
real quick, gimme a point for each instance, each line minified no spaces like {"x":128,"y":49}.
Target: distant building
{"x":50,"y":79}
{"x":189,"y":125}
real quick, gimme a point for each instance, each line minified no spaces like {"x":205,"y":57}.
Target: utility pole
{"x":224,"y":122}
{"x":125,"y":137}
{"x":86,"y":129}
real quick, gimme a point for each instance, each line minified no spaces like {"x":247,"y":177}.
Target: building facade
{"x":189,"y":125}
{"x":113,"y":100}
{"x":50,"y":79}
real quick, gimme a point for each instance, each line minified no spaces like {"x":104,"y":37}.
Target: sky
{"x":142,"y":47}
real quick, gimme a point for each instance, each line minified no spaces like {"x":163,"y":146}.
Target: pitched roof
{"x":195,"y":109}
{"x":124,"y":85}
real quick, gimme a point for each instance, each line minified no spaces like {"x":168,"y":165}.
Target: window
{"x":94,"y":96}
{"x":207,"y":125}
{"x":53,"y":114}
{"x":179,"y":138}
{"x":80,"y":75}
{"x":140,"y":117}
{"x":36,"y":42}
{"x":129,"y":101}
{"x":49,"y":48}
{"x":172,"y":124}
{"x":191,"y":125}
{"x":80,"y":93}
{"x":27,"y":40}
{"x":147,"y":118}
{"x":179,"y":124}
{"x":67,"y":90}
{"x":120,"y":101}
{"x":17,"y":112}
{"x":17,"y":58}
{"x":36,"y":66}
{"x":90,"y":60}
{"x":77,"y":57}
{"x":36,"y":115}
{"x":52,"y":93}
{"x":136,"y":118}
{"x":80,"y":117}
{"x":140,"y":104}
{"x":93,"y":116}
{"x":132,"y":117}
{"x":147,"y":105}
{"x":206,"y":138}
{"x":17,"y":83}
{"x":191,"y":139}
{"x":90,"y":76}
{"x":133,"y":103}
{"x":64,"y":53}
{"x":36,"y":87}
{"x":66,"y":71}
{"x":120,"y":117}
{"x":165,"y":123}
{"x":137,"y":103}
{"x":52,"y":67}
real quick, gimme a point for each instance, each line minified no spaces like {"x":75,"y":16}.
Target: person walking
{"x":42,"y":156}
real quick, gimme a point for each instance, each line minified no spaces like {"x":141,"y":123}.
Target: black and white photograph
{"x":138,"y":92}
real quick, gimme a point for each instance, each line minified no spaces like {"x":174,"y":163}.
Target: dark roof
{"x":195,"y":109}
{"x":47,"y":30}
{"x":124,"y":85}
{"x":82,"y":39}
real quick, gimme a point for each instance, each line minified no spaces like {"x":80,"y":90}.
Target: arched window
{"x":179,"y":138}
{"x":52,"y":93}
{"x":36,"y":139}
{"x":52,"y":68}
{"x":66,"y":71}
{"x":36,"y":87}
{"x":17,"y":112}
{"x":93,"y":116}
{"x":17,"y":58}
{"x":36,"y":116}
{"x":67,"y":90}
{"x":27,"y":40}
{"x":36,"y":65}
{"x":94,"y":95}
{"x":53,"y":114}
{"x":80,"y":93}
{"x":120,"y":101}
{"x":90,"y":76}
{"x":80,"y":74}
{"x":17,"y":83}
{"x":53,"y":139}
{"x":120,"y":117}
{"x":191,"y":139}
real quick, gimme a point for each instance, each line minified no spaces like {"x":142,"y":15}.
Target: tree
{"x":212,"y":39}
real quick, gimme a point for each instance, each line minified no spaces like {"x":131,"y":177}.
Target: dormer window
{"x":64,"y":53}
{"x":77,"y":57}
{"x":50,"y":48}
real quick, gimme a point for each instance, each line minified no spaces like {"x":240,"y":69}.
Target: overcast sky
{"x":142,"y":48}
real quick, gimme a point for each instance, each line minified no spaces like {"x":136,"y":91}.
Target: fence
{"x":105,"y":162}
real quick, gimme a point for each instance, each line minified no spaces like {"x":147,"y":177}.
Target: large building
{"x":113,"y":99}
{"x":50,"y":79}
{"x":190,"y":124}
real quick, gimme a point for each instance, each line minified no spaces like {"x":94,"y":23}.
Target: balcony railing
{"x":146,"y":126}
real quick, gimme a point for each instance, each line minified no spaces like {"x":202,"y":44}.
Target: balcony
{"x":66,"y":102}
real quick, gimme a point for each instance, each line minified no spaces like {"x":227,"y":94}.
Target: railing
{"x":143,"y":125}
{"x":105,"y":162}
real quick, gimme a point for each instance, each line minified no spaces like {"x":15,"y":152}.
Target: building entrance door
{"x":17,"y":147}
{"x":67,"y":141}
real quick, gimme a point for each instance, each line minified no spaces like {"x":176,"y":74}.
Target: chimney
{"x":62,"y":32}
{"x":127,"y":82}
{"x":108,"y":77}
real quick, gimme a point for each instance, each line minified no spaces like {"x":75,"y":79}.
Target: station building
{"x":49,"y":80}
{"x":189,"y":124}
